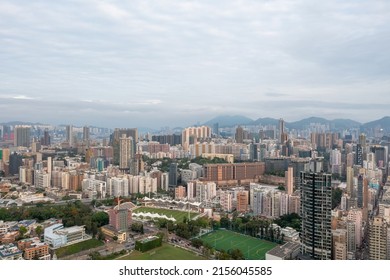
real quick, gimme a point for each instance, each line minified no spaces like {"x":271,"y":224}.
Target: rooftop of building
{"x":125,"y":206}
{"x":149,"y":238}
{"x":9,"y":250}
{"x":112,"y":229}
{"x":70,"y":230}
{"x":289,"y":231}
{"x":8,"y":224}
{"x":27,"y":223}
{"x":35,"y":242}
{"x":284,"y":250}
{"x":50,"y":222}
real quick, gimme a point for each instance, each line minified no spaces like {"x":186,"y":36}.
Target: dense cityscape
{"x":269,"y":189}
{"x":246,"y":131}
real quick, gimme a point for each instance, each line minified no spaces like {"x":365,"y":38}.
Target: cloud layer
{"x":158,"y":63}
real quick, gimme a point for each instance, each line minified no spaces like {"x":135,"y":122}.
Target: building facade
{"x":316,"y":206}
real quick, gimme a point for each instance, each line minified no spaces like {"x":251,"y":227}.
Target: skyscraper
{"x":242,"y":201}
{"x":239,"y":135}
{"x":69,"y":134}
{"x":216,"y":130}
{"x":120,"y":218}
{"x":22,"y":136}
{"x":282,"y":133}
{"x":126,"y":152}
{"x":86,"y":134}
{"x":362,"y":141}
{"x":15,"y":161}
{"x":359,"y":155}
{"x":6,"y":132}
{"x":378,"y":239}
{"x":289,"y":176}
{"x":360,"y":183}
{"x":46,"y":138}
{"x":316,"y":206}
{"x":191,"y":135}
{"x":118,"y":133}
{"x":381,"y":155}
{"x":173,"y":175}
{"x":350,"y":181}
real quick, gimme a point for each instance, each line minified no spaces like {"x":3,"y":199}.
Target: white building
{"x":205,"y":191}
{"x":226,"y":199}
{"x":94,"y":188}
{"x":42,"y":179}
{"x":57,"y":236}
{"x":118,"y":186}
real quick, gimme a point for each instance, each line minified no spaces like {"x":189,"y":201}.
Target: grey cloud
{"x":275,"y":94}
{"x":178,"y":61}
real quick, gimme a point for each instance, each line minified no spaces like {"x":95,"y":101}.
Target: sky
{"x":176,"y":63}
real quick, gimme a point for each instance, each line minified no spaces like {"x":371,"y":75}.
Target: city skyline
{"x":152,"y":64}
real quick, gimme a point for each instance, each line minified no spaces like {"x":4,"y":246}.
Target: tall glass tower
{"x":316,"y":206}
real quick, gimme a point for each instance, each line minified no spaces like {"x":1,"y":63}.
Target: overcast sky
{"x":169,"y":63}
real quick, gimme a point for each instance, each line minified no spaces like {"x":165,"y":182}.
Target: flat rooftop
{"x":9,"y":250}
{"x":284,"y":250}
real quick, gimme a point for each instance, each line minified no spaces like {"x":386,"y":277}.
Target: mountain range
{"x":231,"y":121}
{"x":336,"y":124}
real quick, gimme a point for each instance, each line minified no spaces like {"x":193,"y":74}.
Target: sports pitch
{"x":252,"y":248}
{"x":176,"y":214}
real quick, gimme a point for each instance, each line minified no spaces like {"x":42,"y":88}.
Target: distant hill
{"x":344,"y":124}
{"x":146,"y":130}
{"x":13,"y":123}
{"x":266,"y":121}
{"x":229,"y":121}
{"x":333,"y":124}
{"x":383,"y":123}
{"x":337,"y":124}
{"x":306,"y":122}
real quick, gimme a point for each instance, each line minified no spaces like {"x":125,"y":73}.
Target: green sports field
{"x":165,"y":252}
{"x":252,"y":248}
{"x":178,"y":215}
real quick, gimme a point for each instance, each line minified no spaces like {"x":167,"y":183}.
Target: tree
{"x":236,"y":254}
{"x":197,"y":243}
{"x":224,"y":222}
{"x":137,"y":227}
{"x":22,"y":231}
{"x":39,"y":230}
{"x":203,"y":222}
{"x":100,"y":218}
{"x":100,"y":235}
{"x":289,"y":220}
{"x":222,"y":255}
{"x":115,"y":238}
{"x":95,"y":256}
{"x":94,"y":229}
{"x":182,"y":230}
{"x":206,"y":252}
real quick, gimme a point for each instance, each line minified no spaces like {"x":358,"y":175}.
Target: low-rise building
{"x":290,"y":234}
{"x":9,"y":237}
{"x":5,"y":226}
{"x":288,"y":251}
{"x":33,"y":248}
{"x":57,"y":236}
{"x":110,"y":231}
{"x":10,"y":252}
